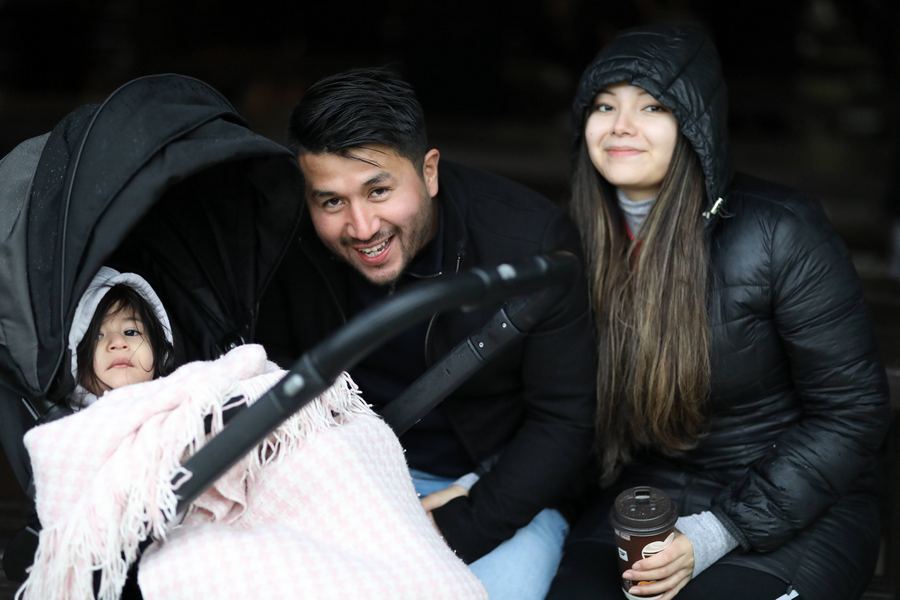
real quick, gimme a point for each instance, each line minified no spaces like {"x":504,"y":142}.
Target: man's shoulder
{"x":493,"y":206}
{"x":503,"y":218}
{"x":473,"y":186}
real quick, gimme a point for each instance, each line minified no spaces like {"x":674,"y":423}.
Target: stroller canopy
{"x":163,"y":178}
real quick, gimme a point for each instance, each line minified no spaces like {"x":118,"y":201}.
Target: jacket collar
{"x":429,"y":261}
{"x":457,"y":254}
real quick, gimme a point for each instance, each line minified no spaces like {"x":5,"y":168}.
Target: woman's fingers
{"x":653,"y":574}
{"x":668,"y":586}
{"x":664,"y":573}
{"x":680,"y":551}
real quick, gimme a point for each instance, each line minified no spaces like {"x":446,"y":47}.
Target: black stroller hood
{"x":163,"y":178}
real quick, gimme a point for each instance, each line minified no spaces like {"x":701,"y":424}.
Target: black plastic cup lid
{"x":643,"y":510}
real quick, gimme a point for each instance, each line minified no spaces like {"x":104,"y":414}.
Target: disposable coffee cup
{"x":643,"y":519}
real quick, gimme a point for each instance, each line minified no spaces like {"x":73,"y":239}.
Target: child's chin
{"x":123,"y":379}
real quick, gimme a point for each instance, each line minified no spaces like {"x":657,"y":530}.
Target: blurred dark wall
{"x":814,"y":83}
{"x":481,"y":59}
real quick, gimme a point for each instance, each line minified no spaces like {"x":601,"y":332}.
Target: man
{"x":384,"y":211}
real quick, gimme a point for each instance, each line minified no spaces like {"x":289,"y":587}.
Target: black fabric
{"x":798,"y":401}
{"x":590,"y":571}
{"x":431,"y":445}
{"x":208,"y":243}
{"x":533,"y":405}
{"x":18,"y":554}
{"x":43,"y":241}
{"x":14,"y":422}
{"x":735,"y":583}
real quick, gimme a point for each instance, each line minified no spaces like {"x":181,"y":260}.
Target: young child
{"x":120,"y":335}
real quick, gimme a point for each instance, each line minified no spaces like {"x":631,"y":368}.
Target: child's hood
{"x":105,"y":279}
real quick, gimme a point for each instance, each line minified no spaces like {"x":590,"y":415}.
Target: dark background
{"x":813,"y":85}
{"x":495,"y":77}
{"x":813,"y":82}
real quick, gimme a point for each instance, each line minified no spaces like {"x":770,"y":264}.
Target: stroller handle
{"x":317,"y":370}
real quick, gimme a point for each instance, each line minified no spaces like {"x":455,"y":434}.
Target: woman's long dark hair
{"x":649,"y":298}
{"x":120,"y":298}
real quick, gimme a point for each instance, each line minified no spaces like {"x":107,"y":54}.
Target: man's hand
{"x":670,"y":570}
{"x":440,"y":498}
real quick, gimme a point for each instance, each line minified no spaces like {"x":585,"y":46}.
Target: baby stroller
{"x":165,"y":179}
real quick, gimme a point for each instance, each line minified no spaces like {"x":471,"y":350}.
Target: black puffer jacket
{"x":799,"y":399}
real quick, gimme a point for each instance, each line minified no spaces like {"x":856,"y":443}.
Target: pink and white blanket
{"x":324,"y":508}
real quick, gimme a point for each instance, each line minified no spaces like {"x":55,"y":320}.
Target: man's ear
{"x":430,"y":171}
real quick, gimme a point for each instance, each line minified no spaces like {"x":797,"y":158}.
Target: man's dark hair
{"x":356,"y":108}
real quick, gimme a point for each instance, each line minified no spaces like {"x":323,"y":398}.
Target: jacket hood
{"x":103,"y":281}
{"x":679,"y":66}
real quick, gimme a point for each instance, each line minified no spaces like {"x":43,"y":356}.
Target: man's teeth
{"x":375,"y":250}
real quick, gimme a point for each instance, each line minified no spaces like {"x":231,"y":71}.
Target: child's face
{"x":123,"y":354}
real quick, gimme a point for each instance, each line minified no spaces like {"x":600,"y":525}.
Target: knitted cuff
{"x":709,"y":538}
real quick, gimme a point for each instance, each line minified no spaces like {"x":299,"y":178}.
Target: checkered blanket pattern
{"x":323,"y":509}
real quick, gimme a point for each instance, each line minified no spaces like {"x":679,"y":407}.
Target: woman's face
{"x":630,"y":139}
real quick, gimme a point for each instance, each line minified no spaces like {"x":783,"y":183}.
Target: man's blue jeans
{"x":523,"y":566}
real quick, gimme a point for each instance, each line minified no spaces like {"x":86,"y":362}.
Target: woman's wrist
{"x":709,"y":538}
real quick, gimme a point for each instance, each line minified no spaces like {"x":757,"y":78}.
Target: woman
{"x":737,"y":367}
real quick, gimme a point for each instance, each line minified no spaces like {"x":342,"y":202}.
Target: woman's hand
{"x":670,"y":570}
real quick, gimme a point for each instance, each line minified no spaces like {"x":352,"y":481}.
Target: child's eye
{"x":603,"y":107}
{"x":99,"y":336}
{"x":656,"y":108}
{"x":132,"y":332}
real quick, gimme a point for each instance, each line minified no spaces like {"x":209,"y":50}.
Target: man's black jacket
{"x":533,"y":405}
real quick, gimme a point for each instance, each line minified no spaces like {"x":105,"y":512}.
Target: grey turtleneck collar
{"x":635,"y":211}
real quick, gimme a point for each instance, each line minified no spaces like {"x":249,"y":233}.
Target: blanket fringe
{"x":71,"y":552}
{"x":333,"y":407}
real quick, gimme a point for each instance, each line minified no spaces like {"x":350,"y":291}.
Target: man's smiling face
{"x":372,"y":207}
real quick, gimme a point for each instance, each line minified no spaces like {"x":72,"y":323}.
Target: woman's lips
{"x":623,"y":151}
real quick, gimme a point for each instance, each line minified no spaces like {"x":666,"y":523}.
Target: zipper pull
{"x":715,"y":208}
